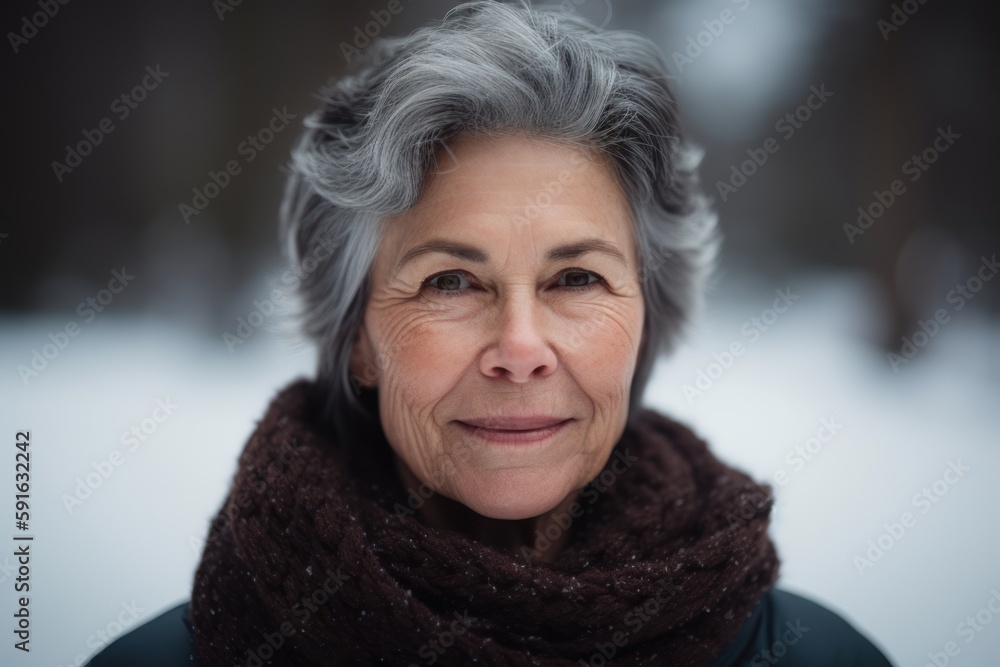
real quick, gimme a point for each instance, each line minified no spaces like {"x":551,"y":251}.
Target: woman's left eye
{"x":579,"y":279}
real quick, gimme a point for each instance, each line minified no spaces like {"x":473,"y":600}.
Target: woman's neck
{"x":535,"y":538}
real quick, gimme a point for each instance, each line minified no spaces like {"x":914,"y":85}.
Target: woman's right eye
{"x":451,"y":282}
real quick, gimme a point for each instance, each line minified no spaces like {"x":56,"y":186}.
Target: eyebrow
{"x":473,"y":254}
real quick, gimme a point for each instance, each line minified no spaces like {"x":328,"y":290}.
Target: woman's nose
{"x":520,"y":348}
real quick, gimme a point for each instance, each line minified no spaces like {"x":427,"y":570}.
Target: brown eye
{"x":579,"y":279}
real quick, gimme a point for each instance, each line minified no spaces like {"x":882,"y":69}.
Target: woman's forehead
{"x":516,"y":187}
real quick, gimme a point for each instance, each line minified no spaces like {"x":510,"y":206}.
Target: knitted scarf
{"x":311,"y":561}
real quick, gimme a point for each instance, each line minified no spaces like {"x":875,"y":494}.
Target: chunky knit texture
{"x":315,"y":561}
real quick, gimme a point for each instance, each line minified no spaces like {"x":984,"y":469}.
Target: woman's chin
{"x":513,"y":499}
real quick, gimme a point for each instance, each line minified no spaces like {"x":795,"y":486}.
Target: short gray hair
{"x":490,"y":68}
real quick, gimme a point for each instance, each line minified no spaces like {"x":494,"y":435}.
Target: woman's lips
{"x":518,"y":435}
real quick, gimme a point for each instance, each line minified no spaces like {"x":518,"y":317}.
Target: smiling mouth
{"x":516,"y":436}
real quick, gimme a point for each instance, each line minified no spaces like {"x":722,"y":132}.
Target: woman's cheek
{"x":433,"y":358}
{"x":415,"y":345}
{"x":603,"y":337}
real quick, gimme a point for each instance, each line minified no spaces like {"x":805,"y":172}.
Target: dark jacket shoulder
{"x":792,"y":631}
{"x":165,"y":641}
{"x":784,"y":628}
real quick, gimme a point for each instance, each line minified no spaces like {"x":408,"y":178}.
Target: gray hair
{"x":490,"y":68}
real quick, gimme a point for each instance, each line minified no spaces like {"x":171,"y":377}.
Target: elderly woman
{"x":511,"y":233}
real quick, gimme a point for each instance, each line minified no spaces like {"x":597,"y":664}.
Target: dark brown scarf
{"x":312,"y":561}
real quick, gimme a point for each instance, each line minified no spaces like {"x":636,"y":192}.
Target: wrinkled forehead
{"x":533,"y":191}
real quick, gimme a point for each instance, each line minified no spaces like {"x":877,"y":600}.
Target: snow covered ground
{"x":809,"y":405}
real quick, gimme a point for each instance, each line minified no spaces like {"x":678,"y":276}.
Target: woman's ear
{"x":364,"y":371}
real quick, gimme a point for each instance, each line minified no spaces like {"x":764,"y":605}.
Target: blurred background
{"x":848,"y":147}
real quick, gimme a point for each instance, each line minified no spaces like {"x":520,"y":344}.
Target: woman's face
{"x":504,"y":325}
